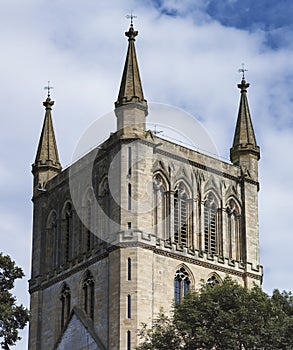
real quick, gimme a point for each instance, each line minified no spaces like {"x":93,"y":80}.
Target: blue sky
{"x":189,"y":55}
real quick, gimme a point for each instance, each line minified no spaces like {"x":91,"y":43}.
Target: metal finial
{"x":242,"y":70}
{"x":155,"y":131}
{"x":131,"y":16}
{"x":48,"y":87}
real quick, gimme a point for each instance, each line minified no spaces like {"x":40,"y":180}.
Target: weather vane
{"x":48,"y":87}
{"x":242,"y":70}
{"x":131,"y":16}
{"x":156,"y":132}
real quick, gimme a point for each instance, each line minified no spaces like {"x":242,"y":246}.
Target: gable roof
{"x":85,"y":327}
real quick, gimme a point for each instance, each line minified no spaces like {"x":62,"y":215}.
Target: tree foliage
{"x":224,"y":316}
{"x":12,"y":317}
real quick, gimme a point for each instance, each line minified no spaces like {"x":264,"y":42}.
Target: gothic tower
{"x":134,"y":224}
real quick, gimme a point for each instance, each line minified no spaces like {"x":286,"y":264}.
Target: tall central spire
{"x":131,"y":108}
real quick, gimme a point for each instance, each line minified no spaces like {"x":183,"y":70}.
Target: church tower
{"x":134,"y":224}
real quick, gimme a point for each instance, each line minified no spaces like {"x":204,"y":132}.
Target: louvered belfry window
{"x":161,"y":215}
{"x":210,"y":226}
{"x":181,"y":215}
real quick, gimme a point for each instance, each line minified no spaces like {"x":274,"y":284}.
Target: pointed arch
{"x":232,"y":192}
{"x":51,"y":241}
{"x":212,"y":224}
{"x":159,"y":166}
{"x":182,"y":214}
{"x":211,"y":185}
{"x":104,"y":210}
{"x":214,"y":279}
{"x":234,"y":241}
{"x":183,"y":176}
{"x":89,"y":220}
{"x":161,"y":205}
{"x":182,"y":282}
{"x":67,"y":232}
{"x":65,"y":298}
{"x":88,"y":287}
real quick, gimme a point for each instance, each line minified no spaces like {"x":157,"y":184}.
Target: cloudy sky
{"x":189,"y":54}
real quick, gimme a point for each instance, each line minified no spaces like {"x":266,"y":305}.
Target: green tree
{"x":224,"y":316}
{"x":12,"y":317}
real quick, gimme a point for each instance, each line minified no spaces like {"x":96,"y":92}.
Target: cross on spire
{"x":131,"y":16}
{"x":48,"y":87}
{"x":242,"y":70}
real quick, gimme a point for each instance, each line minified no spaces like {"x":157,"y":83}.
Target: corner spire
{"x":244,"y":143}
{"x":131,"y":88}
{"x":46,"y":163}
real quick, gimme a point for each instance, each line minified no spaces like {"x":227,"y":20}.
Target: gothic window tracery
{"x":181,"y":215}
{"x":89,"y":295}
{"x":160,"y":206}
{"x":213,"y":280}
{"x":211,"y":229}
{"x":181,"y":284}
{"x":65,"y":299}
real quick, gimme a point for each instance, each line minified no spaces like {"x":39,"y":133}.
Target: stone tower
{"x":134,"y":224}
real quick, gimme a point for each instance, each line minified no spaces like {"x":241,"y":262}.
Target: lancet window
{"x":51,"y":239}
{"x":67,"y":232}
{"x":89,"y":222}
{"x":89,"y":295}
{"x":104,"y":208}
{"x":65,"y":299}
{"x":161,"y":206}
{"x":234,"y":232}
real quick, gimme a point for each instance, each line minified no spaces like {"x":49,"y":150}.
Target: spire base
{"x":240,"y":150}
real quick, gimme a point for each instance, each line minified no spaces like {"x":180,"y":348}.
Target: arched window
{"x":181,"y":284}
{"x":51,"y":239}
{"x":211,"y":243}
{"x":89,"y":221}
{"x":213,"y":280}
{"x":104,"y":208}
{"x":89,"y":295}
{"x":65,"y":304}
{"x":233,"y":227}
{"x":67,"y":232}
{"x":160,"y":207}
{"x":181,"y":215}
